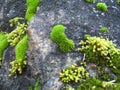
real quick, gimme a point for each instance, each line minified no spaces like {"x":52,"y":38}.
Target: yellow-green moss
{"x":73,"y":73}
{"x":20,"y":54}
{"x":31,"y":8}
{"x":17,"y":34}
{"x":58,"y":35}
{"x":3,"y":44}
{"x":90,"y":1}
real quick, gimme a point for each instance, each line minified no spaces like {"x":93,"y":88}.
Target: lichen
{"x":3,"y":44}
{"x":58,"y":36}
{"x":101,"y":6}
{"x":73,"y":73}
{"x":31,"y":9}
{"x":20,"y":54}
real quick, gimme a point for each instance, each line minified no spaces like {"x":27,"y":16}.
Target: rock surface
{"x":10,"y":9}
{"x":45,"y":61}
{"x":79,"y":18}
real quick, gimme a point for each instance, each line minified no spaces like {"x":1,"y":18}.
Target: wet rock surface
{"x":45,"y":61}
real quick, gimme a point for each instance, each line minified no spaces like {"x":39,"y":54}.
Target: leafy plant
{"x":103,"y":29}
{"x":90,"y":1}
{"x":58,"y":35}
{"x":37,"y":86}
{"x":101,"y":6}
{"x":20,"y":53}
{"x":73,"y":73}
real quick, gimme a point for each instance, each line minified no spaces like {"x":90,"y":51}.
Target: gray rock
{"x":10,"y":9}
{"x":45,"y":61}
{"x":79,"y":18}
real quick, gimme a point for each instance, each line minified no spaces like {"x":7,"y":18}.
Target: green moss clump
{"x":31,"y":9}
{"x":118,"y":2}
{"x":20,"y":53}
{"x":37,"y":86}
{"x":3,"y":44}
{"x":73,"y":73}
{"x":102,"y":6}
{"x":95,"y":84}
{"x":90,"y":1}
{"x":103,"y":29}
{"x":17,"y":34}
{"x":58,"y":35}
{"x":102,"y":52}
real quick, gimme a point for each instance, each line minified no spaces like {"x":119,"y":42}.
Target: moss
{"x":102,"y":52}
{"x":20,"y":53}
{"x":90,"y":1}
{"x":17,"y":34}
{"x":95,"y":84}
{"x":37,"y":86}
{"x":31,"y":9}
{"x":118,"y":2}
{"x":3,"y":44}
{"x":58,"y":35}
{"x":73,"y":73}
{"x":101,"y":6}
{"x":103,"y":29}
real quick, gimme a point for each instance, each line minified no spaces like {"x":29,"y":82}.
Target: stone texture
{"x":45,"y":61}
{"x":10,"y":9}
{"x":79,"y":18}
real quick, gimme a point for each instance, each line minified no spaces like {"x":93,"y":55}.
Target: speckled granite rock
{"x":79,"y":18}
{"x":10,"y":9}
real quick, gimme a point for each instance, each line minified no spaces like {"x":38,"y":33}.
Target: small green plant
{"x":20,"y":53}
{"x":37,"y":86}
{"x":73,"y":73}
{"x":17,"y":34}
{"x":3,"y":44}
{"x":103,"y":29}
{"x":102,"y":6}
{"x":58,"y":35}
{"x":90,"y":1}
{"x":118,"y":2}
{"x":31,"y":9}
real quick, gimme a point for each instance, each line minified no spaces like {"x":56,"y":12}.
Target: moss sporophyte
{"x":58,"y":36}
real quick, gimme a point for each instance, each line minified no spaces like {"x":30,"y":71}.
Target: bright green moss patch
{"x":58,"y":35}
{"x":101,"y":6}
{"x":3,"y":44}
{"x":73,"y":73}
{"x":31,"y":8}
{"x":103,"y":29}
{"x":20,"y":53}
{"x":90,"y":1}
